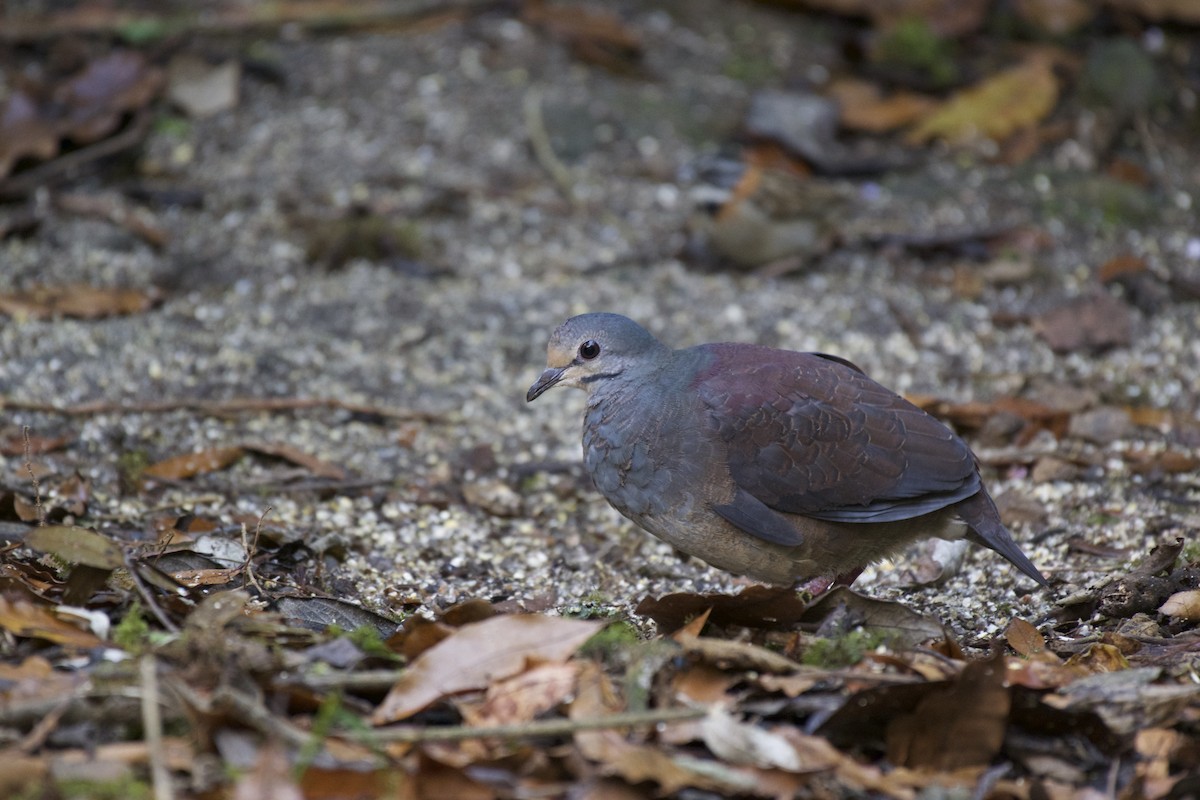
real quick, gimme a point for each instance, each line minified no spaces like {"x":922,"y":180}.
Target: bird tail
{"x":981,"y":516}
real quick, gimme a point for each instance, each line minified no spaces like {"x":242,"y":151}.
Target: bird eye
{"x":589,"y":349}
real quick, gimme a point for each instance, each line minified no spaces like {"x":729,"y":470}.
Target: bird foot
{"x":815,"y":587}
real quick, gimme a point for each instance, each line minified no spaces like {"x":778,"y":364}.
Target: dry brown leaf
{"x":24,"y":618}
{"x":335,"y":782}
{"x":77,"y":545}
{"x":1028,"y":642}
{"x":24,"y":133}
{"x":959,"y":726}
{"x":95,"y":100}
{"x":753,"y":607}
{"x":864,"y":108}
{"x":317,"y":466}
{"x":1120,"y":267}
{"x":1095,"y":321}
{"x":994,"y":109}
{"x":77,"y":300}
{"x":1183,"y":605}
{"x":525,"y":695}
{"x":14,"y":445}
{"x":477,"y":655}
{"x":700,"y":684}
{"x":191,"y":464}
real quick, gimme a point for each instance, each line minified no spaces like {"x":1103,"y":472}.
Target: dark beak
{"x":550,"y":377}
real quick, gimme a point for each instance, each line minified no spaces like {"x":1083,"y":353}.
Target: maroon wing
{"x":812,"y":435}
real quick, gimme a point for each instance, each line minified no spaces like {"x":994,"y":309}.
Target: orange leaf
{"x":25,"y":619}
{"x":192,"y":464}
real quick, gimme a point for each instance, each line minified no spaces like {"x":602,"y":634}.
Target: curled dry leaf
{"x":106,"y":89}
{"x":1183,"y":605}
{"x":525,"y":696}
{"x":745,"y":743}
{"x":34,"y":621}
{"x":476,"y":655}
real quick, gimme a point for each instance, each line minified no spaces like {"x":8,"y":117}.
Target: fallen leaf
{"x":191,"y":464}
{"x":77,"y":300}
{"x":77,"y":545}
{"x":895,"y":622}
{"x":864,"y":108}
{"x":24,"y":132}
{"x":749,"y":744}
{"x":1093,"y":322}
{"x":753,"y":607}
{"x":26,"y":619}
{"x":1120,"y":267}
{"x":96,"y":99}
{"x":994,"y":109}
{"x":524,"y":696}
{"x":317,"y":466}
{"x":479,"y":654}
{"x":1127,"y":700}
{"x":1028,"y":641}
{"x":14,"y":445}
{"x":1183,"y":605}
{"x":959,"y":726}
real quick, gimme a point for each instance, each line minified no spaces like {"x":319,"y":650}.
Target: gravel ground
{"x":430,"y":127}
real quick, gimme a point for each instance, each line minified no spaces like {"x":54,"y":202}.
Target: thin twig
{"x":148,"y":597}
{"x":251,"y":548}
{"x":218,"y":407}
{"x":37,"y":487}
{"x":535,"y":728}
{"x":543,"y":150}
{"x":160,"y":777}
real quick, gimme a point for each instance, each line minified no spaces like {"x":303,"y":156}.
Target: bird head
{"x":595,"y":347}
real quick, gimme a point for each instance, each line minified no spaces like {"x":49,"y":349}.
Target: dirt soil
{"x":478,"y":494}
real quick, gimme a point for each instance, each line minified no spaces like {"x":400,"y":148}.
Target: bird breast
{"x":634,"y":456}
